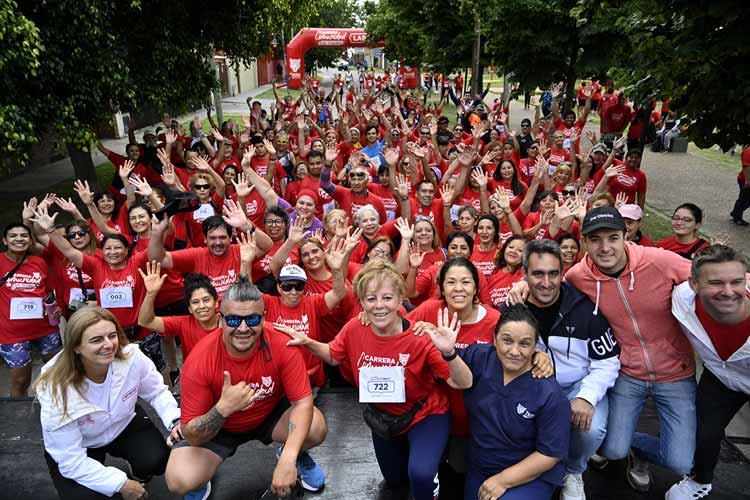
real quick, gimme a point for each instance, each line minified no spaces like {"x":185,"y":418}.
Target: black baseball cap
{"x":602,"y":218}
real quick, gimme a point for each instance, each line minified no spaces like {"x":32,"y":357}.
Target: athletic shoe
{"x":201,"y":493}
{"x":598,"y":462}
{"x":174,"y":376}
{"x":310,"y":474}
{"x":573,"y":487}
{"x":740,"y":221}
{"x":638,"y":475}
{"x":688,"y":489}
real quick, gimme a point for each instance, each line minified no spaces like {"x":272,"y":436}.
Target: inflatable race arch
{"x":309,"y":38}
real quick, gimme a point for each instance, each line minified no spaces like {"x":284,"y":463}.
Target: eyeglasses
{"x":274,"y":222}
{"x":686,"y":220}
{"x":76,"y":234}
{"x":357,"y":175}
{"x":381,"y":253}
{"x":234,"y":321}
{"x":570,"y":192}
{"x":201,"y":186}
{"x":294,"y":285}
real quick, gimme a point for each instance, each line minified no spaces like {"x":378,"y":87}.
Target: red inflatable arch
{"x":309,"y":38}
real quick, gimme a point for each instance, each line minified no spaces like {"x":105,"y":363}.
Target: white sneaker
{"x":573,"y":487}
{"x":688,"y":489}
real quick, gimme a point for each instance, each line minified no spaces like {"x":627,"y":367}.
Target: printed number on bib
{"x":26,"y":308}
{"x":382,"y":384}
{"x":116,"y":297}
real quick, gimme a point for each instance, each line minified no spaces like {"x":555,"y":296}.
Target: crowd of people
{"x":489,"y":293}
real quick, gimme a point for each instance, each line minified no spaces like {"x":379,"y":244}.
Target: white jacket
{"x":735,"y":371}
{"x":66,"y":438}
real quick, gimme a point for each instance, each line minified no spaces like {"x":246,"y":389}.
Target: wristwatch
{"x":450,"y":357}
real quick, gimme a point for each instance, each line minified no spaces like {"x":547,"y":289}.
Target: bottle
{"x":49,"y":309}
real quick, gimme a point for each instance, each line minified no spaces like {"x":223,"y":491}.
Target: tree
{"x":332,"y":14}
{"x":546,"y":41}
{"x":694,"y":52}
{"x":97,"y":57}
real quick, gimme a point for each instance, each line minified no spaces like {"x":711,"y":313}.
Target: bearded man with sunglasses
{"x":243,"y":385}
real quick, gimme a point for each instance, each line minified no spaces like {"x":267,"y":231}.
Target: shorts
{"x":18,"y":355}
{"x":225,"y":443}
{"x":581,"y":103}
{"x":594,"y":104}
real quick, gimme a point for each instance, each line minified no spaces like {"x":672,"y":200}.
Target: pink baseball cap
{"x":631,"y":211}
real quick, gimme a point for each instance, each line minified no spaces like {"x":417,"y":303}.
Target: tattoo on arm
{"x":291,"y":427}
{"x":205,"y":427}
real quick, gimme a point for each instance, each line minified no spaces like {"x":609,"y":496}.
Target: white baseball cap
{"x":292,"y":273}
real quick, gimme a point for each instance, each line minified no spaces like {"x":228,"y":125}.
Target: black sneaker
{"x":740,"y":222}
{"x":174,"y":376}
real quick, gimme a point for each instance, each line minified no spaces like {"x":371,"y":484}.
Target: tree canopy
{"x":332,"y":14}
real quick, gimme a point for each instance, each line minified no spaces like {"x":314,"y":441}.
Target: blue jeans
{"x":533,"y":490}
{"x":415,"y":456}
{"x":585,"y":444}
{"x":675,"y":406}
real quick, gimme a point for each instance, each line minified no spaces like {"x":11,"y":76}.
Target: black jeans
{"x":141,"y":444}
{"x":743,"y":201}
{"x":716,"y":405}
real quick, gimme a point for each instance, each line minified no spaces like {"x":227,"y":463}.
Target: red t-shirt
{"x":630,"y":182}
{"x":515,"y":199}
{"x":105,"y":277}
{"x":350,"y":202}
{"x":500,"y":283}
{"x":262,"y":267}
{"x":727,"y":339}
{"x":29,"y":281}
{"x":617,"y":117}
{"x":189,"y":330}
{"x":386,"y":197}
{"x":480,"y":332}
{"x":557,"y":156}
{"x":484,"y":260}
{"x":305,"y":318}
{"x":356,"y":346}
{"x":325,"y":202}
{"x":65,"y":278}
{"x":568,"y":131}
{"x":745,"y":163}
{"x":434,"y":212}
{"x":223,"y":271}
{"x":118,"y":222}
{"x":331,"y":323}
{"x":276,"y":370}
{"x":675,"y":246}
{"x":532,"y":220}
{"x":426,"y":286}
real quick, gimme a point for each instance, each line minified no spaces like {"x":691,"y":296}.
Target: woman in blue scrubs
{"x":519,"y":425}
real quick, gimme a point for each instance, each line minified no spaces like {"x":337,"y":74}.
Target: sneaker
{"x":740,"y":222}
{"x":310,"y":474}
{"x":573,"y":487}
{"x":201,"y":493}
{"x":598,"y":462}
{"x":688,"y":489}
{"x":638,"y":475}
{"x":174,"y":376}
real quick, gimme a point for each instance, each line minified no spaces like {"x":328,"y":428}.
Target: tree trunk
{"x":645,"y":113}
{"x":83,"y":166}
{"x":570,"y":80}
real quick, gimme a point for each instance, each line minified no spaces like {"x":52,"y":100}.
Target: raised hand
{"x":547,"y":217}
{"x":296,"y":231}
{"x":444,"y":336}
{"x":170,"y":136}
{"x":503,"y":198}
{"x":416,"y":256}
{"x":168,"y":175}
{"x":489,"y":157}
{"x":248,"y":247}
{"x":297,"y":338}
{"x":153,"y":280}
{"x":200,"y":164}
{"x":217,"y":135}
{"x":402,"y":186}
{"x":591,"y":136}
{"x":614,"y":171}
{"x":480,"y":177}
{"x":620,"y":199}
{"x":422,"y":327}
{"x":466,"y":158}
{"x":620,"y":142}
{"x":163,"y":157}
{"x":405,"y":229}
{"x":353,"y":239}
{"x":242,"y":186}
{"x":140,"y":186}
{"x":336,"y":255}
{"x":565,"y":210}
{"x":159,"y":226}
{"x":125,"y":170}
{"x":332,"y":153}
{"x":84,"y":193}
{"x":29,"y":208}
{"x":248,"y":156}
{"x":269,"y":147}
{"x":43,"y":219}
{"x":233,"y":214}
{"x":446,"y":194}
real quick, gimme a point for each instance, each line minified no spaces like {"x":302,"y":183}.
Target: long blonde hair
{"x":68,"y":370}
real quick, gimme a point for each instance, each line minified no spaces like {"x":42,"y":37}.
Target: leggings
{"x":415,"y":456}
{"x":533,"y":490}
{"x":141,"y":444}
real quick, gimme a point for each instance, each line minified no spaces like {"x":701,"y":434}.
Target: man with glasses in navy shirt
{"x":243,"y":385}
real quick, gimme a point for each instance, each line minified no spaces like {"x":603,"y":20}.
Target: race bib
{"x":26,"y":308}
{"x":78,"y":294}
{"x":203,"y":212}
{"x":382,"y":384}
{"x":116,"y":297}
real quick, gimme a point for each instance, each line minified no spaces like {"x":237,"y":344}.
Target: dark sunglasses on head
{"x":294,"y":285}
{"x":76,"y":234}
{"x":202,"y":186}
{"x":234,"y":321}
{"x":357,"y":175}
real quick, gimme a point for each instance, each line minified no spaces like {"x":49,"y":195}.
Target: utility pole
{"x":217,"y":92}
{"x":475,"y":79}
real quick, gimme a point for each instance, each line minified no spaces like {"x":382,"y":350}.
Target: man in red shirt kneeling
{"x":242,"y":385}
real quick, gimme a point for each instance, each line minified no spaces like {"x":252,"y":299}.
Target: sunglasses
{"x":234,"y":321}
{"x":458,"y":130}
{"x":296,"y":285}
{"x":569,"y":192}
{"x":201,"y":186}
{"x":76,"y":234}
{"x":357,"y":175}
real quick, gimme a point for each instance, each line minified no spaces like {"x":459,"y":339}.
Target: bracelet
{"x":173,"y":424}
{"x":450,"y":357}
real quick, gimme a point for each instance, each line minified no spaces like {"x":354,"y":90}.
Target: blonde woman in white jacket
{"x":88,"y":395}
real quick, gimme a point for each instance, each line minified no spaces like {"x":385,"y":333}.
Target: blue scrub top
{"x":509,"y":422}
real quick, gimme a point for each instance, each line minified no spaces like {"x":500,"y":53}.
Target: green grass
{"x":656,"y":225}
{"x":722,"y":161}
{"x":268,"y":94}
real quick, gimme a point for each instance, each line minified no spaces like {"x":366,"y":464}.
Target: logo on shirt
{"x":521,"y":410}
{"x":267,"y":381}
{"x":403,"y":358}
{"x":23,"y":281}
{"x":626,"y":180}
{"x":132,"y":392}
